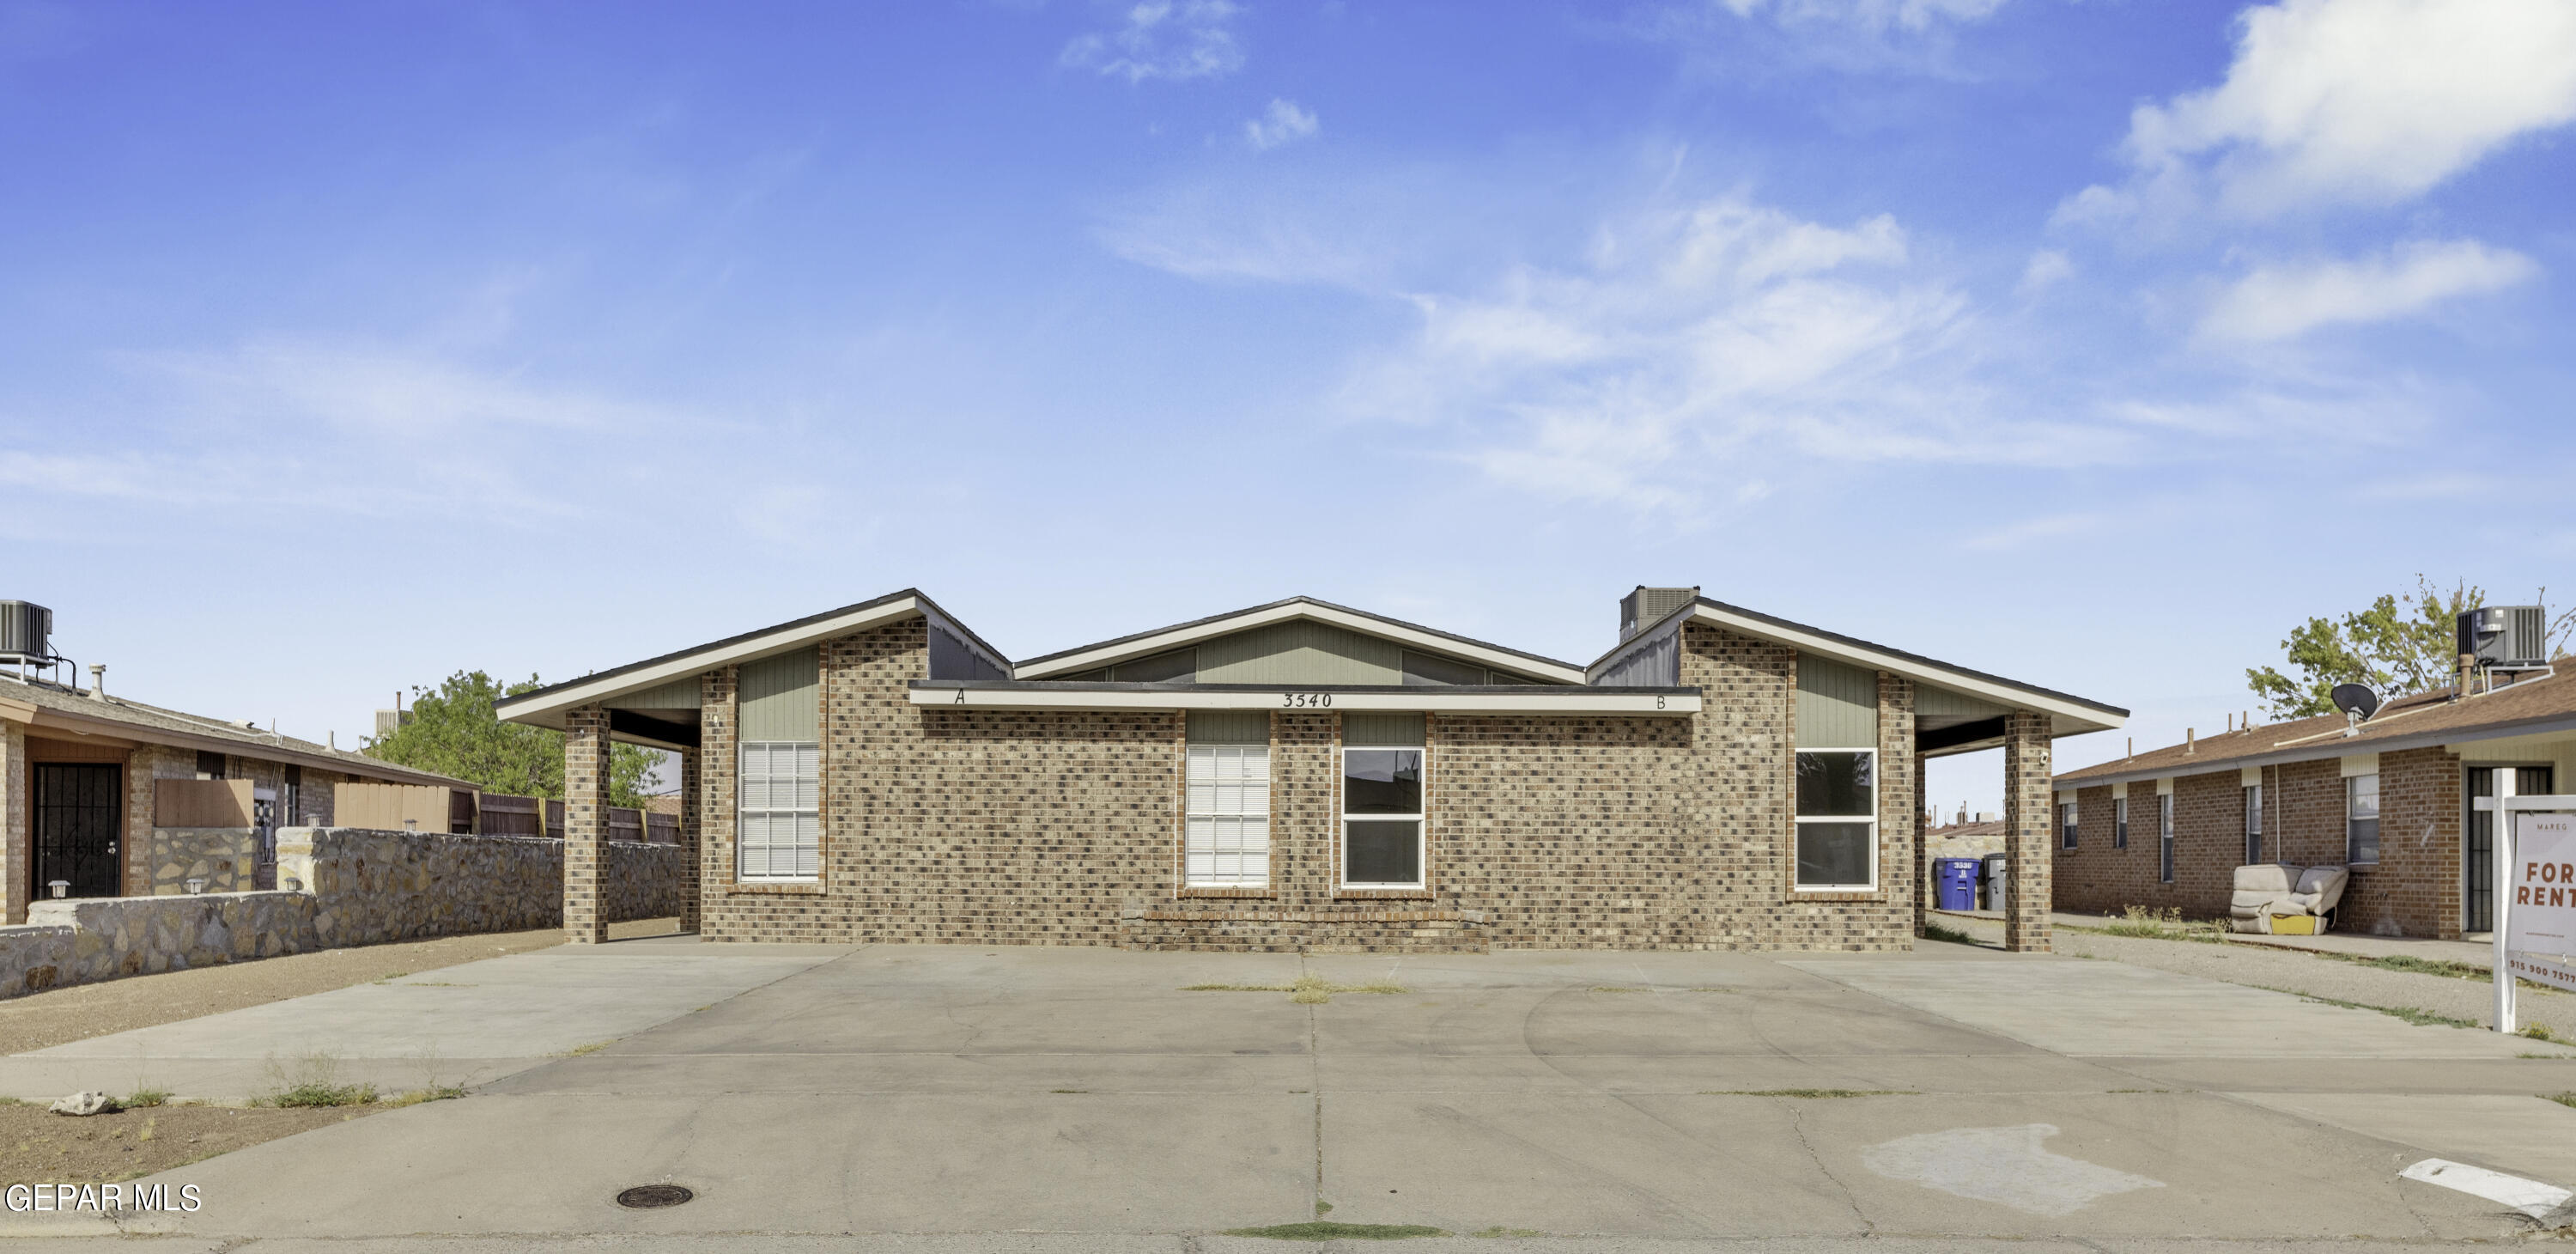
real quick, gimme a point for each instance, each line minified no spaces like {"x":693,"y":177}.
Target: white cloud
{"x":2279,"y":302}
{"x":2349,"y":101}
{"x":1739,"y":39}
{"x":1874,"y":15}
{"x":1174,"y":39}
{"x":1284,"y":122}
{"x":394,"y":393}
{"x":372,"y":431}
{"x":2047,"y":268}
{"x":1701,"y":345}
{"x":2030,"y":532}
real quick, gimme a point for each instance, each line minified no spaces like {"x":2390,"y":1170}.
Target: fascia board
{"x":1146,"y":646}
{"x":17,"y":711}
{"x":547,"y":709}
{"x":2083,"y":718}
{"x":1478,"y":700}
{"x":2331,"y":750}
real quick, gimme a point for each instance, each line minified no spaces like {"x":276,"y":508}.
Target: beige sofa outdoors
{"x":2267,"y":890}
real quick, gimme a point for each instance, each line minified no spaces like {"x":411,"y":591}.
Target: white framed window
{"x":2066,"y":826}
{"x":2164,"y":838}
{"x":1837,"y":821}
{"x":1382,"y":817}
{"x":2119,"y":822}
{"x":1228,"y":817}
{"x":2361,"y":820}
{"x":2253,"y":824}
{"x":778,"y":799}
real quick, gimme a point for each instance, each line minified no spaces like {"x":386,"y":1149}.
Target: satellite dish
{"x":2356,"y":700}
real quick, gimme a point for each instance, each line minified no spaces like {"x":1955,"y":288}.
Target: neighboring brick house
{"x":83,"y":797}
{"x":1301,"y":775}
{"x":2405,"y":799}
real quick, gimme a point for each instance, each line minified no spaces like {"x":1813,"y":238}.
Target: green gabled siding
{"x":1300,"y":652}
{"x":1383,"y":731}
{"x":782,"y":697}
{"x":1837,"y":705}
{"x":1229,"y":727}
{"x":679,"y":694}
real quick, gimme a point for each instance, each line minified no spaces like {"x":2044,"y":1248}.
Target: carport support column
{"x":16,"y":818}
{"x":690,"y":799}
{"x":2026,"y":800}
{"x":1923,"y":885}
{"x":585,"y":861}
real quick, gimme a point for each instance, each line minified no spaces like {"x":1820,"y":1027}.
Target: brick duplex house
{"x":2405,"y":799}
{"x":1305,"y":775}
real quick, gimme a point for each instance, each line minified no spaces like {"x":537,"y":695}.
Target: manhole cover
{"x":649,"y":1196}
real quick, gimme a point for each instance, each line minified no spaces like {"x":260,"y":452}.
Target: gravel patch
{"x":2296,"y":971}
{"x":39,"y":1147}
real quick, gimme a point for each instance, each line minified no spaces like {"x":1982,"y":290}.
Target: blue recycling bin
{"x":1955,"y":883}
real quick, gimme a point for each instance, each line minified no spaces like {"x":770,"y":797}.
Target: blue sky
{"x":2092,"y":342}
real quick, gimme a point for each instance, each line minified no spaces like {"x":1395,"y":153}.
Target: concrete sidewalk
{"x":927,"y":1098}
{"x":454,"y":1026}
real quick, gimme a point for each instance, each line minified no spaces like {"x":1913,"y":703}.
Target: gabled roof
{"x":545,"y":707}
{"x":2543,"y":706}
{"x":2069,"y":714}
{"x":58,"y":713}
{"x":1179,"y":635}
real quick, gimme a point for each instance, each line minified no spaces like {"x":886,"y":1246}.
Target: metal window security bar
{"x":2164,"y":839}
{"x":2535,"y":902}
{"x":2477,"y":869}
{"x":2253,"y":824}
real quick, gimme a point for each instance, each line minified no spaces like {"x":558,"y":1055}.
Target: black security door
{"x":2478,"y":869}
{"x":75,"y":828}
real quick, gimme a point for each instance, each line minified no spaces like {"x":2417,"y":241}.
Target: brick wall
{"x":2414,"y":890}
{"x":1565,"y":832}
{"x":16,"y":833}
{"x":1065,"y":827}
{"x":2209,"y":844}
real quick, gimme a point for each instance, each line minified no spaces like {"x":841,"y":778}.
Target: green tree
{"x":2403,"y":643}
{"x":453,"y":731}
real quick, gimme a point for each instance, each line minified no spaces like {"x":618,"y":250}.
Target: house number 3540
{"x":1296,"y":700}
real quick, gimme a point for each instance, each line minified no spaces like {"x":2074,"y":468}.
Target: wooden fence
{"x":385,"y":806}
{"x":201,"y":803}
{"x":505,"y":815}
{"x":402,"y":807}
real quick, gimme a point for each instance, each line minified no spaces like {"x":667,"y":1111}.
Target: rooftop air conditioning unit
{"x":1643,"y":607}
{"x":2506,"y":637}
{"x":25,"y":634}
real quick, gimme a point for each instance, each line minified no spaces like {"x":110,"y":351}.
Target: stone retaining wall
{"x":225,"y":857}
{"x":82,"y":940}
{"x":339,"y":886}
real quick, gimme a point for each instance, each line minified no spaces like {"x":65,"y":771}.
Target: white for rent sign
{"x":2541,"y":930}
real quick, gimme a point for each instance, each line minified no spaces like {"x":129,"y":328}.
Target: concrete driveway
{"x":954,"y":1096}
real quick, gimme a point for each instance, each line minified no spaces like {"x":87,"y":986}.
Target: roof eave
{"x":2319,"y":751}
{"x":546,"y":706}
{"x":45,"y":718}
